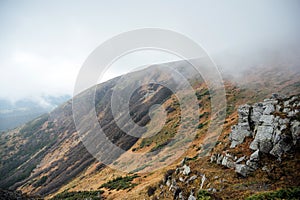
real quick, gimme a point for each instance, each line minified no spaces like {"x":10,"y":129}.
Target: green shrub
{"x":203,"y":195}
{"x":120,"y":183}
{"x":287,"y":193}
{"x":79,"y":195}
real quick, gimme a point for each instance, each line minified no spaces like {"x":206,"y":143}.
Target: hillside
{"x":46,"y":156}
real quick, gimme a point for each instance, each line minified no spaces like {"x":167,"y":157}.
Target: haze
{"x":44,"y":43}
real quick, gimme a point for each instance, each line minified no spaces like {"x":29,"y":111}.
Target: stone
{"x":253,"y":165}
{"x":267,"y":119}
{"x":212,"y":190}
{"x":191,"y":197}
{"x":278,"y":108}
{"x":282,"y":146}
{"x":219,"y":159}
{"x":186,"y":170}
{"x":192,"y":178}
{"x":238,"y":135}
{"x":295,"y":130}
{"x":213,"y":158}
{"x":254,"y":156}
{"x":203,"y":179}
{"x":241,"y":159}
{"x":242,"y":170}
{"x":227,"y":162}
{"x":265,"y":146}
{"x":262,"y":139}
{"x":277,"y":136}
{"x":268,"y":109}
{"x":243,"y":112}
{"x":286,"y":103}
{"x":257,"y":111}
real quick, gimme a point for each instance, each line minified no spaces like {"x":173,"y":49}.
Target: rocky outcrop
{"x":274,"y":126}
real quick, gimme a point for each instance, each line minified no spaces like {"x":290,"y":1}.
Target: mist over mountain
{"x":13,"y":114}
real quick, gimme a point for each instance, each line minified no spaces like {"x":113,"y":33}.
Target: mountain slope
{"x":47,"y":155}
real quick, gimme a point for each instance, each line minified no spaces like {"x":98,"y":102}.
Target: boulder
{"x":295,"y":130}
{"x":227,"y":162}
{"x":268,"y":109}
{"x":256,"y":113}
{"x":241,"y":159}
{"x":255,"y":156}
{"x":283,"y":146}
{"x":242,"y":169}
{"x":238,"y":135}
{"x":262,"y":140}
{"x":191,"y":197}
{"x":267,"y":120}
{"x":186,"y":170}
{"x":253,"y":165}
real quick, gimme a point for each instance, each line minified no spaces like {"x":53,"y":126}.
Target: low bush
{"x":287,"y":193}
{"x":120,"y":183}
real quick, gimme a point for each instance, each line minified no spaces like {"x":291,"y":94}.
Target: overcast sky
{"x":44,"y":43}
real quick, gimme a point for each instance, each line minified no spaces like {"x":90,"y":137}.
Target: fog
{"x":44,"y":44}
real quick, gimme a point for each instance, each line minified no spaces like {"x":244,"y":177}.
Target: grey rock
{"x":212,"y":190}
{"x":278,"y":108}
{"x":241,"y":159}
{"x":267,"y":119}
{"x":243,"y":112}
{"x":286,"y":110}
{"x":242,"y":169}
{"x":282,"y":146}
{"x":283,"y":121}
{"x":277,"y":136}
{"x":191,"y":197}
{"x":265,"y":146}
{"x":269,"y":108}
{"x":262,"y":140}
{"x":253,"y":165}
{"x":257,"y":111}
{"x":227,"y":162}
{"x":295,"y":130}
{"x":255,"y":156}
{"x":286,"y":103}
{"x":186,"y":170}
{"x":219,"y":159}
{"x":168,"y":183}
{"x":238,"y":135}
{"x":213,"y":158}
{"x":203,"y":179}
{"x":192,"y":178}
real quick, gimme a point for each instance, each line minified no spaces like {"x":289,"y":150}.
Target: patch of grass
{"x":120,"y":183}
{"x":79,"y":195}
{"x":287,"y":193}
{"x":203,"y":195}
